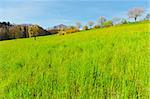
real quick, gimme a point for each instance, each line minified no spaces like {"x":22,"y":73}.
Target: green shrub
{"x":108,"y":23}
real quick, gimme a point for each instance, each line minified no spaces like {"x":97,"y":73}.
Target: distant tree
{"x":72,"y":27}
{"x":12,"y":32}
{"x":17,"y":31}
{"x":4,"y":33}
{"x":135,"y":13}
{"x":116,"y":20}
{"x":147,"y":17}
{"x":108,"y":23}
{"x":36,"y":30}
{"x":60,"y":27}
{"x":4,"y":24}
{"x":85,"y":27}
{"x":78,"y":25}
{"x":33,"y":30}
{"x":124,"y":21}
{"x":101,"y":20}
{"x":24,"y":31}
{"x":90,"y":23}
{"x":8,"y":23}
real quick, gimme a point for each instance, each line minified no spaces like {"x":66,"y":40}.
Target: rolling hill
{"x":99,"y":63}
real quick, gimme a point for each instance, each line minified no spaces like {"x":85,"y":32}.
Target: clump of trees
{"x":101,"y":20}
{"x":65,"y":29}
{"x":9,"y":31}
{"x":4,"y":24}
{"x":57,"y":29}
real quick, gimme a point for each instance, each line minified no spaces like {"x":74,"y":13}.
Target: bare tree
{"x":135,"y":12}
{"x":78,"y":25}
{"x":116,"y":20}
{"x":90,"y":23}
{"x":85,"y":27}
{"x":101,"y":20}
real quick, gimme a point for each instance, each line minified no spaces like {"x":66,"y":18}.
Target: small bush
{"x":62,"y":32}
{"x":71,"y":30}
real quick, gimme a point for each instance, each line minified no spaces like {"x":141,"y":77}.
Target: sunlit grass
{"x":111,"y":62}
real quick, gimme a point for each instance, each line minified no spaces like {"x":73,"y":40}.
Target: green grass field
{"x":95,"y":64}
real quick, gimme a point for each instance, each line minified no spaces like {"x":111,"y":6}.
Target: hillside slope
{"x":109,"y":62}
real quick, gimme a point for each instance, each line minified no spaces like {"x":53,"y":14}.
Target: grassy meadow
{"x":105,"y":63}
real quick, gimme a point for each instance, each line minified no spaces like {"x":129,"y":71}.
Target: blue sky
{"x":48,"y":13}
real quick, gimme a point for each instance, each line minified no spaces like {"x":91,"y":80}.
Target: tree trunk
{"x":135,"y":18}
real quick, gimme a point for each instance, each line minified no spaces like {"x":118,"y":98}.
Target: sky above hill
{"x":48,"y":13}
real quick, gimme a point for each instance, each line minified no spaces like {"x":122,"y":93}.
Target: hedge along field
{"x":102,"y":63}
